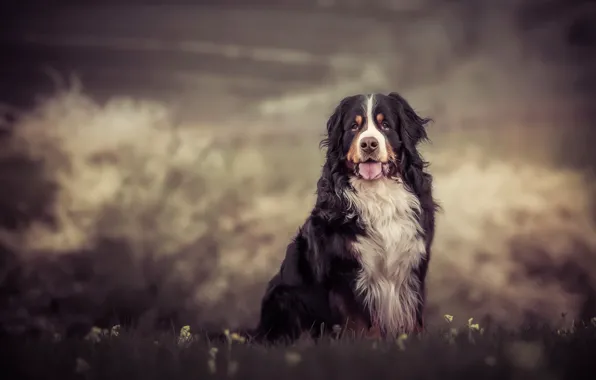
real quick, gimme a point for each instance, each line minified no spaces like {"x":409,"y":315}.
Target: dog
{"x":361,"y":258}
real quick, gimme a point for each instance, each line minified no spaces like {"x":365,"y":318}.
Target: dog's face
{"x":369,"y":133}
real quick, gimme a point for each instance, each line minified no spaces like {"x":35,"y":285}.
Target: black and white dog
{"x":360,"y":259}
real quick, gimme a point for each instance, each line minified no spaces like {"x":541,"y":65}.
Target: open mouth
{"x":371,"y":170}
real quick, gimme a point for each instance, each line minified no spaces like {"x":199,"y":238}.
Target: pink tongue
{"x":370,"y":170}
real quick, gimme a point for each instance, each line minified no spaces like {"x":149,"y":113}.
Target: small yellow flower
{"x":185,"y":330}
{"x":94,"y":335}
{"x":211,"y":365}
{"x":238,"y":338}
{"x":400,"y":341}
{"x":473,"y":326}
{"x":448,"y":318}
{"x":185,"y":336}
{"x":293,"y":358}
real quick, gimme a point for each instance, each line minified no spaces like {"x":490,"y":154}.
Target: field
{"x":220,"y":210}
{"x":152,"y":173}
{"x":455,"y":350}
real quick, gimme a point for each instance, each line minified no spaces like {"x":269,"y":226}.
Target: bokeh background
{"x":155,"y":160}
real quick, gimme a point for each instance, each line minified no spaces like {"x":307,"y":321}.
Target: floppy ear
{"x":333,"y":139}
{"x":412,"y":126}
{"x":332,"y":177}
{"x":412,"y":130}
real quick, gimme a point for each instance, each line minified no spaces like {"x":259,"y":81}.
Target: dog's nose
{"x":369,"y":144}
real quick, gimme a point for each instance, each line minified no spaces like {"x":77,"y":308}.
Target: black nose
{"x":369,"y":144}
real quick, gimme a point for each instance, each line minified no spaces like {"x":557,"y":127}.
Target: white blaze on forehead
{"x":370,"y":129}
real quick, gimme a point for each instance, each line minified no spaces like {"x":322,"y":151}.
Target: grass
{"x":451,"y":350}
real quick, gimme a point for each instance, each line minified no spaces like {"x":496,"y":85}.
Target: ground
{"x":450,"y":351}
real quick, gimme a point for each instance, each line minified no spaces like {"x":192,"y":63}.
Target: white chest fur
{"x":392,"y":248}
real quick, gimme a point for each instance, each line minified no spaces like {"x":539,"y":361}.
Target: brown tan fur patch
{"x":390,"y":153}
{"x":354,"y":153}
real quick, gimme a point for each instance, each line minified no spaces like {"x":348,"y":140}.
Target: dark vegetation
{"x":466,"y":351}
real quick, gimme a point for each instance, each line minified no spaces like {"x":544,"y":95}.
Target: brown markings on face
{"x":390,"y":153}
{"x":380,"y":118}
{"x":353,"y":153}
{"x":358,"y":120}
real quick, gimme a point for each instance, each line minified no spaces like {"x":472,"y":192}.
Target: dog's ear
{"x":412,"y":126}
{"x":334,"y":121}
{"x":333,"y":124}
{"x":412,"y":130}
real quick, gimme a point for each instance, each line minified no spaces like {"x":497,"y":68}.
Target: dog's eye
{"x":385,"y":125}
{"x":355,"y":127}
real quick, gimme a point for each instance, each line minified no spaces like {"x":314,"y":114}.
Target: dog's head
{"x":374,"y":136}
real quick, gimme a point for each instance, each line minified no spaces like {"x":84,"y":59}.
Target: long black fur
{"x":318,"y":260}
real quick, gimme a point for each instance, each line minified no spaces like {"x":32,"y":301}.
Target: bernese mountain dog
{"x":360,"y":259}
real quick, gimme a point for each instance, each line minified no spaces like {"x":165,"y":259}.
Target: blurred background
{"x":155,"y":160}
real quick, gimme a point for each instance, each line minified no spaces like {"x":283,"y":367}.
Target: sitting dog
{"x":360,"y":259}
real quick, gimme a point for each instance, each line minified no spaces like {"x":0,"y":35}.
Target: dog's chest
{"x":389,"y":251}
